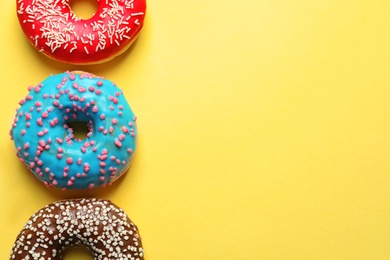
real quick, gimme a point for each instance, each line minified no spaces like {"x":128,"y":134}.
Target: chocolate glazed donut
{"x":99,"y":225}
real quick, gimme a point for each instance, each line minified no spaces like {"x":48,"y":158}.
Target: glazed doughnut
{"x":53,"y":28}
{"x":101,"y":226}
{"x":46,"y":144}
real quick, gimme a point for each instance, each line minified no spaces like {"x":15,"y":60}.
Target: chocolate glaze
{"x":101,"y":226}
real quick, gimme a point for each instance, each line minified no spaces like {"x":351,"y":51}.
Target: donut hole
{"x":84,"y":9}
{"x":77,"y":252}
{"x":78,"y":130}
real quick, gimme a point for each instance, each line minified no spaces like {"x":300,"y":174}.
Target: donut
{"x":54,"y":29}
{"x":99,"y":225}
{"x":47,"y":145}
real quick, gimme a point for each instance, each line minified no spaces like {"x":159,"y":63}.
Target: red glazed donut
{"x":99,"y":225}
{"x":52,"y":27}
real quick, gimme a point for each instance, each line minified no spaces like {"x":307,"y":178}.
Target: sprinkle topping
{"x":48,"y":146}
{"x":101,"y":226}
{"x":53,"y":28}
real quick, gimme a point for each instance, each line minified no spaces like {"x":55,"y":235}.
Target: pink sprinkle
{"x":103,"y":157}
{"x":111,"y":129}
{"x":69,"y":160}
{"x":99,"y":83}
{"x":117,"y":143}
{"x":125,"y":129}
{"x":59,"y":156}
{"x":114,"y":121}
{"x":42,"y":143}
{"x":98,"y":92}
{"x":102,"y":116}
{"x":79,"y":161}
{"x":26,"y":146}
{"x":59,"y":140}
{"x":132,"y":134}
{"x":70,"y":183}
{"x":45,"y":114}
{"x":32,"y":164}
{"x":60,"y":150}
{"x":129,"y":150}
{"x":23,"y":132}
{"x":91,"y":186}
{"x":38,"y":104}
{"x":113,"y":158}
{"x":39,"y":121}
{"x":102,"y":178}
{"x":91,"y":88}
{"x":121,"y":137}
{"x":65,"y":174}
{"x":95,"y":109}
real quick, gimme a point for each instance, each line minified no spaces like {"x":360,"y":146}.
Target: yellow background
{"x":263,"y":129}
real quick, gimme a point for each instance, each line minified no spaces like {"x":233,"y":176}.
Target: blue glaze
{"x":45,"y":143}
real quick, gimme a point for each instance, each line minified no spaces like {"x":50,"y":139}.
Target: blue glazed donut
{"x":46,"y":144}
